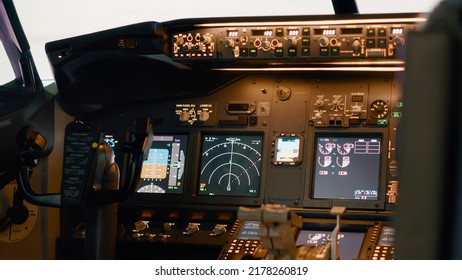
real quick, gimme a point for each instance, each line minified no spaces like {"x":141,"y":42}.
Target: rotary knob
{"x":319,"y":103}
{"x":184,"y":116}
{"x":229,"y":43}
{"x":379,"y":109}
{"x":191,"y":228}
{"x":292,"y":41}
{"x":204,"y":116}
{"x":179,"y":40}
{"x":219,"y":229}
{"x":207,"y":39}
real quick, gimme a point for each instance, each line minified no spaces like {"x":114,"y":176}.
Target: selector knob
{"x":355,"y":110}
{"x":398,"y":41}
{"x":184,"y":116}
{"x":207,"y":39}
{"x":318,"y":116}
{"x":319,"y":103}
{"x":229,"y":43}
{"x":292,"y":41}
{"x":192,"y":228}
{"x":180,"y":40}
{"x":323,"y":41}
{"x":219,"y":229}
{"x":204,"y":116}
{"x":266,"y":44}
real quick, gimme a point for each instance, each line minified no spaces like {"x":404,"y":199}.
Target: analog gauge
{"x":345,"y":149}
{"x":11,"y":232}
{"x":326,"y":148}
{"x":230,"y":165}
{"x":343,"y":161}
{"x":151,"y":188}
{"x":379,"y":109}
{"x":325,"y":161}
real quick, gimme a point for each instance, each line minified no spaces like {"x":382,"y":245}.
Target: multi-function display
{"x":230,"y":164}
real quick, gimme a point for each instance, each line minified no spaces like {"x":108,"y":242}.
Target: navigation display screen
{"x":347,"y":167}
{"x":163,"y":171}
{"x":230,"y":164}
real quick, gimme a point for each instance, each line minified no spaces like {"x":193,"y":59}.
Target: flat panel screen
{"x":230,"y":164}
{"x":163,"y":171}
{"x":287,"y":149}
{"x":347,"y":167}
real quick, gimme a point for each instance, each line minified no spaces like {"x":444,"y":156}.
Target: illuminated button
{"x":305,"y":41}
{"x":253,"y":52}
{"x":382,"y":43}
{"x":244,"y":52}
{"x":382,"y":32}
{"x":370,"y":43}
{"x":279,"y":52}
{"x":292,"y":52}
{"x":371,"y":32}
{"x":306,"y":32}
{"x":279,"y":32}
{"x":323,"y":51}
{"x":305,"y":51}
{"x":334,"y":51}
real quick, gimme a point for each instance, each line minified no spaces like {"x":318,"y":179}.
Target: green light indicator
{"x":396,"y":114}
{"x":382,"y":122}
{"x":399,"y":104}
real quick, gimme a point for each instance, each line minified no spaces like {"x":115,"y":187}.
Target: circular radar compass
{"x":230,"y":165}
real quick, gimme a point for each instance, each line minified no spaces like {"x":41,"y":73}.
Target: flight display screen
{"x":349,"y":243}
{"x":230,"y":164}
{"x":347,"y":167}
{"x":163,"y":170}
{"x":287,"y":149}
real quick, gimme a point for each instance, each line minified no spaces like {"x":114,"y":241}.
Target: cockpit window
{"x":6,"y":72}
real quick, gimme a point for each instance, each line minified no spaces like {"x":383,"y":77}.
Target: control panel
{"x":295,"y":111}
{"x":296,"y":40}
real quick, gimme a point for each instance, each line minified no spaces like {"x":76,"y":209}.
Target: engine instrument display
{"x":163,"y":170}
{"x":230,"y":164}
{"x":347,"y":167}
{"x":287,"y":149}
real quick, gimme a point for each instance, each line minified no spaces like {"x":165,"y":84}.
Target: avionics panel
{"x":303,"y":39}
{"x":163,"y":170}
{"x":230,"y":164}
{"x":347,"y":170}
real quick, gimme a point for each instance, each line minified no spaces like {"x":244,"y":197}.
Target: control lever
{"x":86,"y":157}
{"x":90,"y":179}
{"x":338,"y":211}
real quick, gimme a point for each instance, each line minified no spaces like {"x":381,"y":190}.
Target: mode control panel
{"x":317,"y":40}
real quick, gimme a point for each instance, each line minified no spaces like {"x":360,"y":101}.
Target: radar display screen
{"x":347,"y":167}
{"x":230,"y":164}
{"x":163,"y":170}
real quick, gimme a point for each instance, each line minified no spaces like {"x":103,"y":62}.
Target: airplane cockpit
{"x":236,"y":137}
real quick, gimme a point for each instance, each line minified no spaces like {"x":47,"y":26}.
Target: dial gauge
{"x":379,"y":109}
{"x":12,"y":232}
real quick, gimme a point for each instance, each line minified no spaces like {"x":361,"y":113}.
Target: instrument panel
{"x":301,"y":111}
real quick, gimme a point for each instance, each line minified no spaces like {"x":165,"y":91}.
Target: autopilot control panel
{"x":301,"y":111}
